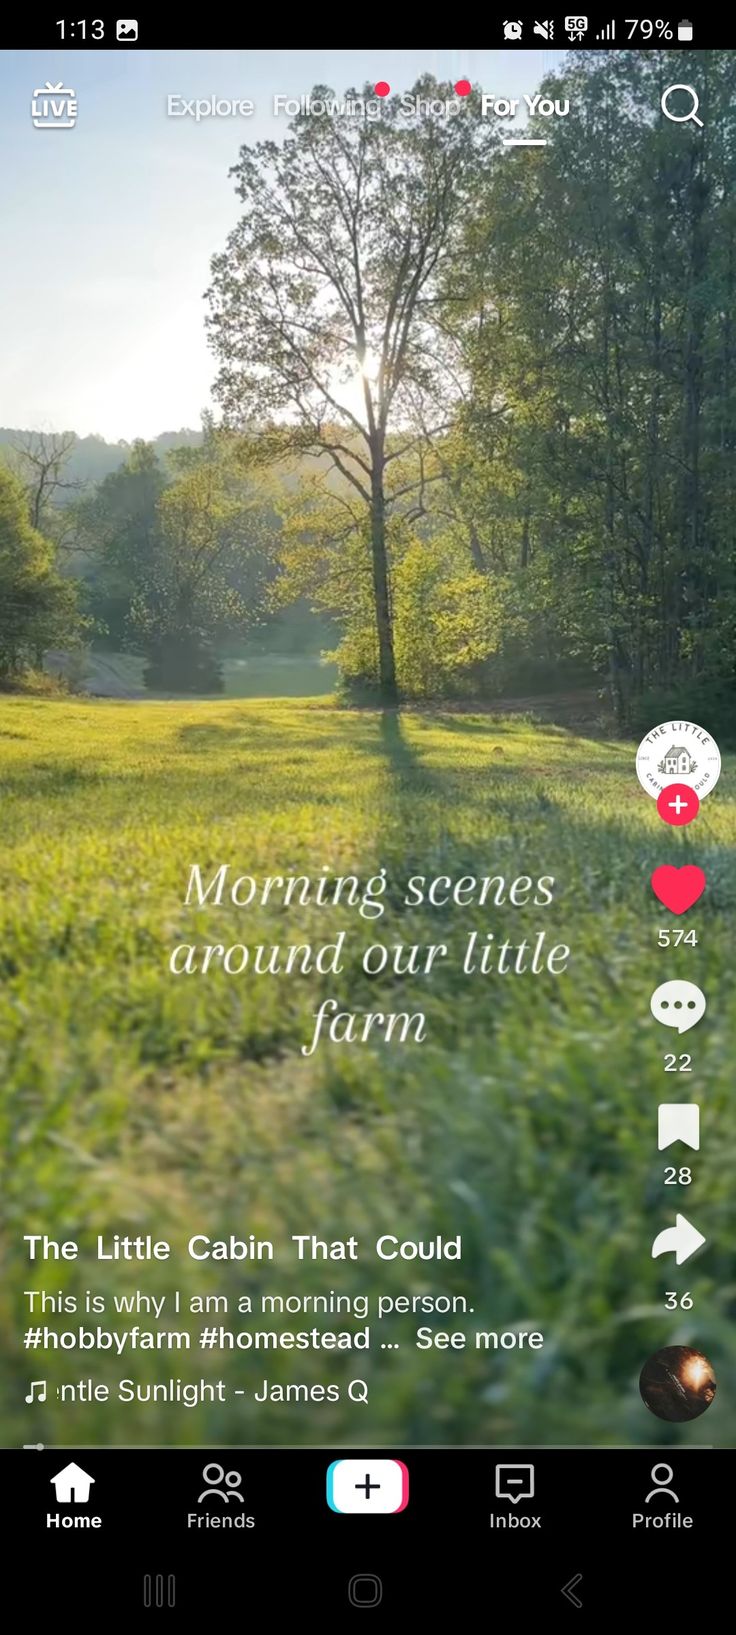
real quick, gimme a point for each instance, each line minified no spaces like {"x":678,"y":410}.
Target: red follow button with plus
{"x":677,"y":803}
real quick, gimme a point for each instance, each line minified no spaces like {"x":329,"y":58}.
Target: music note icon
{"x":39,"y":1385}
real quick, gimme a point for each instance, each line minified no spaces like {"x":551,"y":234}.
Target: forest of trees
{"x":477,"y":406}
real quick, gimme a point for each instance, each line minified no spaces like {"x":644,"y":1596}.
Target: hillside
{"x":92,"y":458}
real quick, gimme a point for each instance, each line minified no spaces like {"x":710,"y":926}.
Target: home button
{"x":365,"y":1590}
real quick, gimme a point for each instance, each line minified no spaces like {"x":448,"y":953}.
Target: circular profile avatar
{"x":678,"y":752}
{"x":677,"y":1383}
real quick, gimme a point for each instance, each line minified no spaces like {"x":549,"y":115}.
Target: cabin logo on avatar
{"x":677,"y":763}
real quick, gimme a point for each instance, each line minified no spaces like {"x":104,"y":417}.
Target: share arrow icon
{"x":682,"y":1240}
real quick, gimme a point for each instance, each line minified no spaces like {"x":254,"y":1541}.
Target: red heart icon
{"x":678,"y":889}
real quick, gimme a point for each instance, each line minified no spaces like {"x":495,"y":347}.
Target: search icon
{"x":682,"y":119}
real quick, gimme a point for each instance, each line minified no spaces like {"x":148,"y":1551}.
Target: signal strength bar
{"x":607,"y":33}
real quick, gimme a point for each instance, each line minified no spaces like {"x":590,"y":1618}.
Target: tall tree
{"x":324,"y":303}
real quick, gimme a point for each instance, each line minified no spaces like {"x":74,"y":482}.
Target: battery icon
{"x":684,"y":30}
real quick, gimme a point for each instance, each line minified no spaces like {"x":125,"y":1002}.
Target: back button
{"x":569,"y":1589}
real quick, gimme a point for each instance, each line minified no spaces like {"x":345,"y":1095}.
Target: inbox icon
{"x":514,"y":1482}
{"x":362,"y":1487}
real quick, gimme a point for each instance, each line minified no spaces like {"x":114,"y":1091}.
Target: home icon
{"x":72,"y":1485}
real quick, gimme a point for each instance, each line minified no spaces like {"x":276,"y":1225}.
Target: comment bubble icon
{"x":678,"y":1005}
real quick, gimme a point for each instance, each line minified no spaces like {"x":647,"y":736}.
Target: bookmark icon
{"x":678,"y":1121}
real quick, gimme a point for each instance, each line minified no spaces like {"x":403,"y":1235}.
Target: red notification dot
{"x":382,"y":88}
{"x":678,"y":804}
{"x":463,"y":88}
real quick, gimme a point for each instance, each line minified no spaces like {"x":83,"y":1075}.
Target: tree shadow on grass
{"x":257,"y":730}
{"x":410,"y":790}
{"x":513,"y":726}
{"x":499,"y":780}
{"x":411,"y":778}
{"x":394,"y":744}
{"x":483,"y":725}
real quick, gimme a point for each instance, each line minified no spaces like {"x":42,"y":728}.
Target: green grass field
{"x":138,"y":1102}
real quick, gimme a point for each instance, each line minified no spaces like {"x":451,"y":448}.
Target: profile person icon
{"x":213,"y":1475}
{"x":660,"y":1483}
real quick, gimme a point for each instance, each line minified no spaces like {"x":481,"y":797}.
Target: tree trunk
{"x":476,"y":550}
{"x":381,"y":597}
{"x":524,"y":556}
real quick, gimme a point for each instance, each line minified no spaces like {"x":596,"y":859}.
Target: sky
{"x":109,"y":227}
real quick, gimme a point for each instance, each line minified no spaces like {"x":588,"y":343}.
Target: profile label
{"x":678,"y":752}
